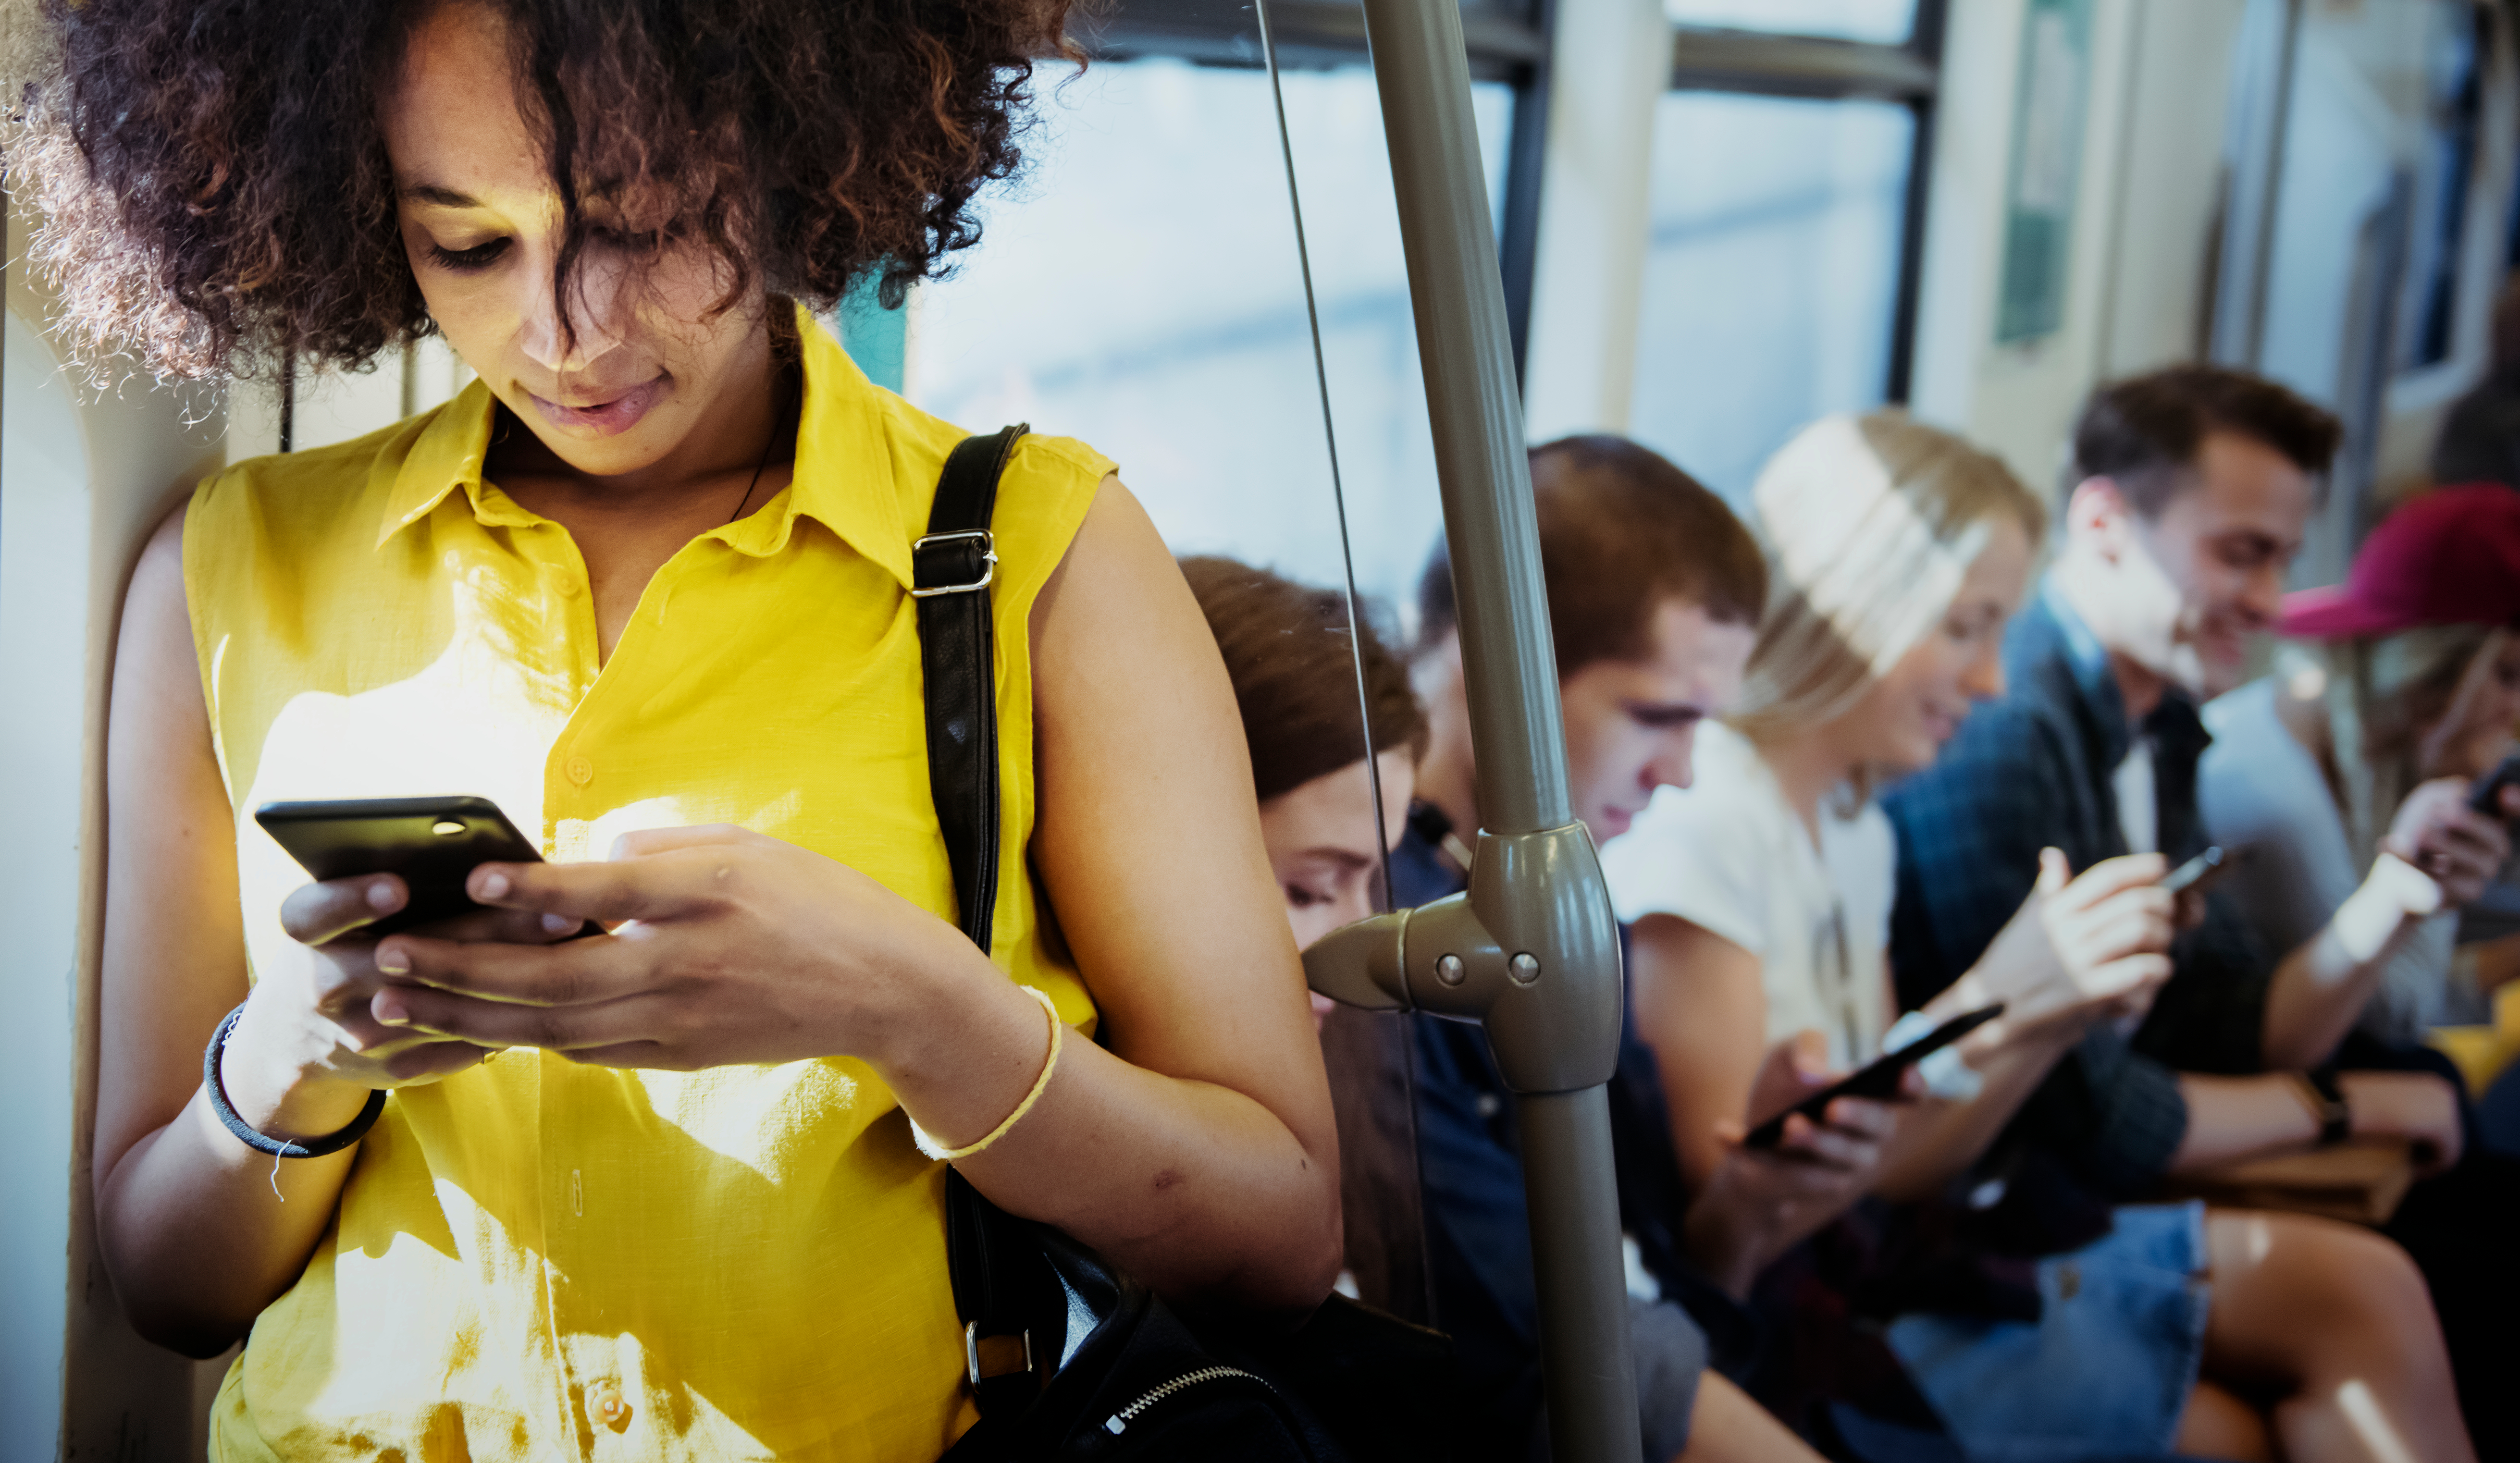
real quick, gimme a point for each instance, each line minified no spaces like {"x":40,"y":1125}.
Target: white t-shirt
{"x":2138,"y":800}
{"x":1730,"y":855}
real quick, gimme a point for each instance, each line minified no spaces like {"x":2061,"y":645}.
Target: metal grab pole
{"x":1533,"y":950}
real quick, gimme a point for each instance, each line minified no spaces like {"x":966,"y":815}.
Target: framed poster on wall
{"x":2047,"y":168}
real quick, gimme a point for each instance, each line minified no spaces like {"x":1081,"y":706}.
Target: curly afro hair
{"x":216,"y":196}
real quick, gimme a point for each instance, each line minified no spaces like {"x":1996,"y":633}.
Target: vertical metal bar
{"x":1510,"y":674}
{"x":1575,"y":1253}
{"x":1526,"y":158}
{"x":1459,"y":302}
{"x":1926,"y":43}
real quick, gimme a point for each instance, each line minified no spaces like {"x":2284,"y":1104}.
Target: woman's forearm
{"x":2231,"y":1117}
{"x":1943,"y":1138}
{"x":201,"y":1233}
{"x":1194,"y":1188}
{"x":2319,"y":990}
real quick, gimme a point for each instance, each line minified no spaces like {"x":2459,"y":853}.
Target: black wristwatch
{"x":2326,"y":1096}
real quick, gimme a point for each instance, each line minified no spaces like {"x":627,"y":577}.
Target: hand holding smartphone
{"x":1877,"y":1079}
{"x":2487,"y":798}
{"x":432,"y":844}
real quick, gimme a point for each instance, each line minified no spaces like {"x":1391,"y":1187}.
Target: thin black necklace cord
{"x":777,"y":404}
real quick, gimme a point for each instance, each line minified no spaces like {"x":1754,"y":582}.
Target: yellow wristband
{"x":1041,"y":1084}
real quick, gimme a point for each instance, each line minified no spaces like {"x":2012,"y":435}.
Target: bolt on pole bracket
{"x":1537,"y":985}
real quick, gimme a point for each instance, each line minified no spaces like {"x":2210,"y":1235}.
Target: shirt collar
{"x":845,"y":478}
{"x":2174,"y":725}
{"x":442,"y":452}
{"x":2089,"y":664}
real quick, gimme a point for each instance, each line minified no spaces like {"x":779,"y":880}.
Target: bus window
{"x":1772,"y":273}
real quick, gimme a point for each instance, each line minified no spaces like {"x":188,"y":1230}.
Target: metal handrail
{"x":1531,"y":950}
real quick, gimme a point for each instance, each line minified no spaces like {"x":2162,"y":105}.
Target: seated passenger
{"x":1761,"y":899}
{"x":2192,"y":486}
{"x":1296,"y":671}
{"x":674,"y":1191}
{"x":1297,"y":674}
{"x":1653,"y":591}
{"x":2346,"y":784}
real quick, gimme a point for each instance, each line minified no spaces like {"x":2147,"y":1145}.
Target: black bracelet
{"x":260,"y":1143}
{"x":2335,"y":1114}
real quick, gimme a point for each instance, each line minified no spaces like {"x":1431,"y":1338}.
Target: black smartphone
{"x":433,"y":843}
{"x":2199,"y":873}
{"x":2487,"y":796}
{"x":1879,"y":1079}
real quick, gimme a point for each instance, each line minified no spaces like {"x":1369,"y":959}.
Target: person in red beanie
{"x":2344,"y":779}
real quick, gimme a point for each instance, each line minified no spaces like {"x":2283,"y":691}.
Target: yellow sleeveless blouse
{"x":539,"y":1259}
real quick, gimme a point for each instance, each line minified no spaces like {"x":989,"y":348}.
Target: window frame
{"x":1828,"y":69}
{"x":1508,"y":41}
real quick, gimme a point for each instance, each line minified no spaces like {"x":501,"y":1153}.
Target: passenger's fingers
{"x":2125,"y":932}
{"x":578,"y":973}
{"x":650,"y":1055}
{"x":494,"y":1023}
{"x":359,"y":1031}
{"x":2115,"y":980}
{"x":1818,"y":1143}
{"x":2484,"y":837}
{"x":2140,"y":898}
{"x":1807,"y":1053}
{"x":313,"y":913}
{"x":1863,"y":1118}
{"x":342,"y":980}
{"x":610,"y":893}
{"x":2111,"y":876}
{"x":426,"y":1061}
{"x":504,"y":926}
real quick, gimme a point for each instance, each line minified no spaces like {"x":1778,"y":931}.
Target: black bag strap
{"x":998,"y":1273}
{"x":953,"y":564}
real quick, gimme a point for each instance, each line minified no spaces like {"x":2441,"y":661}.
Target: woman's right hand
{"x":2080,"y":949}
{"x":2461,"y":849}
{"x":307,"y":1052}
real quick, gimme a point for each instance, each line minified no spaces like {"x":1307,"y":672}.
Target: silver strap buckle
{"x":971,"y":1351}
{"x":988,"y":562}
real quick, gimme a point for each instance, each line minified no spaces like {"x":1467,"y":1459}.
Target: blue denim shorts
{"x":2106,"y":1368}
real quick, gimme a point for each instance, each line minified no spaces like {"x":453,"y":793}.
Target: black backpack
{"x":1066,"y":1357}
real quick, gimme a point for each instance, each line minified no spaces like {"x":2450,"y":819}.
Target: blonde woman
{"x":1761,"y":898}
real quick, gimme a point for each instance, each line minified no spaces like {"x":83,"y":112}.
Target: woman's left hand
{"x":727,"y":947}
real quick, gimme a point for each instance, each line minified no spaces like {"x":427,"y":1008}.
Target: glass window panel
{"x":1771,"y":277}
{"x":1886,"y":21}
{"x":1138,"y":290}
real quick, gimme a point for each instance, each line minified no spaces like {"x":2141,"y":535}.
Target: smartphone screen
{"x":432,"y":843}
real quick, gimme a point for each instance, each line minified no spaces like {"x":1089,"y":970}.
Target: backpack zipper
{"x":1120,"y":1420}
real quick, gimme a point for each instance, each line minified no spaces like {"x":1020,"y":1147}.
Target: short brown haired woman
{"x":674,"y":1191}
{"x":1300,"y":677}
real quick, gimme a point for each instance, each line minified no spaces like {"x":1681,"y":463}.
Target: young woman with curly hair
{"x":663,"y":1191}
